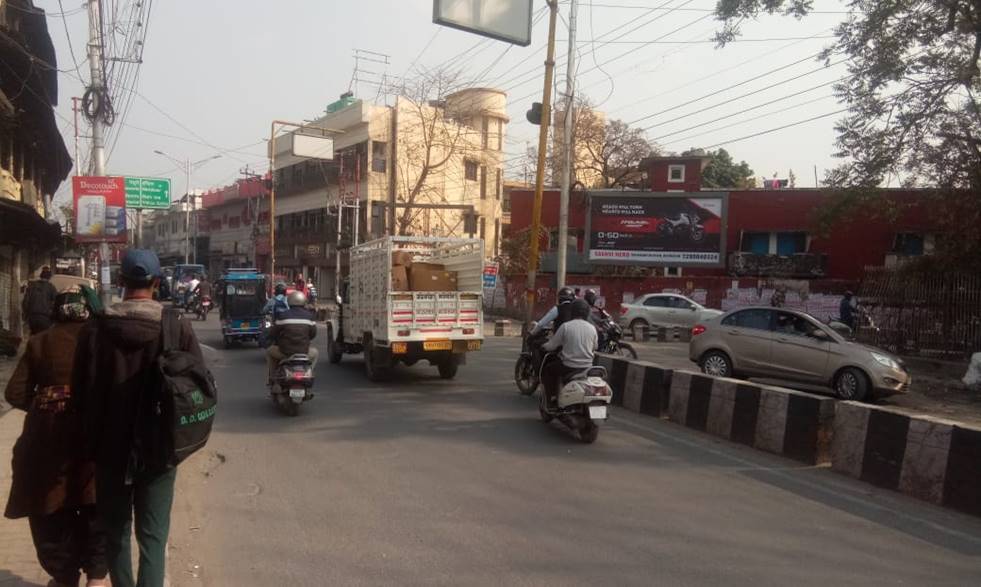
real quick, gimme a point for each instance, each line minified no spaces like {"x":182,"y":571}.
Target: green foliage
{"x":913,"y":112}
{"x":723,"y":172}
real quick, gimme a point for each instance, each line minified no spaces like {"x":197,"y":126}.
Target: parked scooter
{"x":292,"y":383}
{"x":582,"y":403}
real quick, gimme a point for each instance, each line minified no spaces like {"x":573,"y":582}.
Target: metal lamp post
{"x":187,"y":167}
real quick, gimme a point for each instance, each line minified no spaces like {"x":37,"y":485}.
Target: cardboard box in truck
{"x":400,"y":278}
{"x":403,"y":258}
{"x":431,"y":277}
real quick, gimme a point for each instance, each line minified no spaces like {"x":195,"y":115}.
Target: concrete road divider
{"x":928,"y":458}
{"x":791,"y":423}
{"x":646,"y":389}
{"x":616,"y":374}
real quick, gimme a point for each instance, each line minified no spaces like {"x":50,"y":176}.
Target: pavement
{"x":419,"y":480}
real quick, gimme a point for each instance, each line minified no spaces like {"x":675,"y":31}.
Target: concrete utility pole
{"x":536,"y":212}
{"x":567,"y":147}
{"x":97,"y":97}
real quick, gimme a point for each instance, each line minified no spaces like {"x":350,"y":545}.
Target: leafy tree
{"x":913,"y":112}
{"x":723,"y":172}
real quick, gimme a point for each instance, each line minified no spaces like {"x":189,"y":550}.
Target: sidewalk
{"x":18,"y":562}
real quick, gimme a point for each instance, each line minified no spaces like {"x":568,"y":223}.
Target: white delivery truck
{"x":410,"y":298}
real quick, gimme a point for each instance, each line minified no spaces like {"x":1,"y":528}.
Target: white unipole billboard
{"x":505,"y":20}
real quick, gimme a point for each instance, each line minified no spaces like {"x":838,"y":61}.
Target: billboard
{"x":666,"y":229}
{"x":99,"y":204}
{"x":504,"y":20}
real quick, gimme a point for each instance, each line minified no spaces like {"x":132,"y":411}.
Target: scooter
{"x":292,"y":383}
{"x":202,"y":306}
{"x":582,"y":403}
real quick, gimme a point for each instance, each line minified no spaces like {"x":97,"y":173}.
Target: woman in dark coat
{"x":52,"y":485}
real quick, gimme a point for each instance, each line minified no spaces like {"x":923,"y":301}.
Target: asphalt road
{"x":426,"y":481}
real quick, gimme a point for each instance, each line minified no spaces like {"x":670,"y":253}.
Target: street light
{"x":187,"y":167}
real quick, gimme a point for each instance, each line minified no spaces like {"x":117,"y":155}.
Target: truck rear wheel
{"x":448,"y":367}
{"x":372,"y":369}
{"x":334,"y":351}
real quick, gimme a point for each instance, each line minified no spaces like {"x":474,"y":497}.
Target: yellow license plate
{"x":400,"y":348}
{"x":473,"y":345}
{"x":246,"y":325}
{"x":437,"y":345}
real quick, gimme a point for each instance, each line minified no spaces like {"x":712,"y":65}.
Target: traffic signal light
{"x":534,"y":115}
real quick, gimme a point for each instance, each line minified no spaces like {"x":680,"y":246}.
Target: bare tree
{"x":432,"y":136}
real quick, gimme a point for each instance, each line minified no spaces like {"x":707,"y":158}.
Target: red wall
{"x":853,"y":246}
{"x":658,"y":174}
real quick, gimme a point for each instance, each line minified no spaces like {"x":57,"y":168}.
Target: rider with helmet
{"x":277,"y":304}
{"x":558,"y":314}
{"x":292,"y":332}
{"x":576,"y":342}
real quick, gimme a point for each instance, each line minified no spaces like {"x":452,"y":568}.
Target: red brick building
{"x":771,"y":237}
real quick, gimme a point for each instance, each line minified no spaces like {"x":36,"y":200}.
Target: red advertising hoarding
{"x":99,"y":204}
{"x":663,"y":229}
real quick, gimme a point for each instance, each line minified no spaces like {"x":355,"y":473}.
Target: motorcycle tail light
{"x":698,"y":329}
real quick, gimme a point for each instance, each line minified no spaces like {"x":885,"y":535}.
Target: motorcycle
{"x":202,"y":307}
{"x":582,"y":403}
{"x":863,"y":321}
{"x":611,"y":335}
{"x":529,"y":363}
{"x":292,"y":383}
{"x":683,"y":224}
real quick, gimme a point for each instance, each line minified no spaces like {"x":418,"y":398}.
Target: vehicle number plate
{"x":473,"y":345}
{"x":400,"y":348}
{"x":301,"y":393}
{"x":246,"y":325}
{"x":437,"y":345}
{"x":597,"y":412}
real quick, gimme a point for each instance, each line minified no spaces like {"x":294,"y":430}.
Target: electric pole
{"x":567,"y":148}
{"x":545,"y":120}
{"x":97,"y":106}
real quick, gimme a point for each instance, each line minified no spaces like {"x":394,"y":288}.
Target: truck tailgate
{"x":425,"y":315}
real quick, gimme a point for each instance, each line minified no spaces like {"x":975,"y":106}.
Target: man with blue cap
{"x":115,"y":368}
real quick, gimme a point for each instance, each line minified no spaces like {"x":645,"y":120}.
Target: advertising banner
{"x":99,"y":204}
{"x":490,"y":275}
{"x":664,"y":229}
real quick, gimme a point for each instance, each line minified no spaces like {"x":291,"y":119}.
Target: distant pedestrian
{"x":846,"y":310}
{"x":38,"y":304}
{"x":52,"y":483}
{"x":311,"y":292}
{"x":115,"y":369}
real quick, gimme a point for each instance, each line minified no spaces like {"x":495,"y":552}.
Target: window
{"x":672,"y":271}
{"x":484,"y":131}
{"x":483,"y":228}
{"x":679,"y":303}
{"x":793,"y":324}
{"x":908,"y":243}
{"x":499,"y":126}
{"x":470,"y":170}
{"x":497,"y":183}
{"x":379,"y":156}
{"x":790,"y":243}
{"x":676,"y":173}
{"x":755,"y":319}
{"x":656,"y":302}
{"x":506,"y":202}
{"x":483,"y":182}
{"x":756,"y":242}
{"x":497,"y":237}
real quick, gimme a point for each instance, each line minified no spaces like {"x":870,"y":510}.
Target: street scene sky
{"x":215,"y":73}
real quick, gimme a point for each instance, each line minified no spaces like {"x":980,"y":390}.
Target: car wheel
{"x":851,"y":384}
{"x":638,"y":322}
{"x":716,"y":364}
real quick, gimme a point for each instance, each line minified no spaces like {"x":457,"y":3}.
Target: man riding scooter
{"x":291,"y":334}
{"x":578,"y":342}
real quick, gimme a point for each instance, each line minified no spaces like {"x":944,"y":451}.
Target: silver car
{"x":664,"y":310}
{"x":794,"y":346}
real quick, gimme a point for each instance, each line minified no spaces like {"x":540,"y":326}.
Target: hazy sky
{"x":216,"y":72}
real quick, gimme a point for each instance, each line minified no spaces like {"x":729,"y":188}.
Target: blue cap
{"x":140,"y":265}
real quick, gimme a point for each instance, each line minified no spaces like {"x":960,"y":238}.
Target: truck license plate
{"x":437,"y":345}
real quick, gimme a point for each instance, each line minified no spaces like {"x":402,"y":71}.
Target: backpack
{"x":180,"y":406}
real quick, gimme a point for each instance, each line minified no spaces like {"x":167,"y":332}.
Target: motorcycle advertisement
{"x":646,"y":228}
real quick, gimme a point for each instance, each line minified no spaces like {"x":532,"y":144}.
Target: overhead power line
{"x":775,"y":129}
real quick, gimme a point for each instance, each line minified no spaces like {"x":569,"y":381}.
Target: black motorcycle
{"x":529,"y":364}
{"x":611,"y":343}
{"x":683,"y":224}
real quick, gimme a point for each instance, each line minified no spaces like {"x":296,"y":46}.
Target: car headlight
{"x":886,"y":361}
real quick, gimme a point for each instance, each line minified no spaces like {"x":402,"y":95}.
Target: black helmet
{"x":566,"y":295}
{"x":590,"y":297}
{"x":280,"y":289}
{"x":849,"y":294}
{"x":580,"y":310}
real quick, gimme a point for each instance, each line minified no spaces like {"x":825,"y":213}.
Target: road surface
{"x":426,"y":481}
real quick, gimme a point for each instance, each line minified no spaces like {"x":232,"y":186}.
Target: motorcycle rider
{"x":578,"y":342}
{"x":277,"y":304}
{"x":597,"y":316}
{"x":559,"y":314}
{"x":291,"y":334}
{"x":846,"y":310}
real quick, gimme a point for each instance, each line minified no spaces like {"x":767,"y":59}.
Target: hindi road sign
{"x":147,"y":192}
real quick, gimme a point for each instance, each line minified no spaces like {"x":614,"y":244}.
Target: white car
{"x":664,"y":310}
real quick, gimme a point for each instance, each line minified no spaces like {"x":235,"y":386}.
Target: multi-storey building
{"x":33,"y":157}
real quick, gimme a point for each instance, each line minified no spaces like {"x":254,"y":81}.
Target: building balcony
{"x":798,"y":265}
{"x":575,"y":262}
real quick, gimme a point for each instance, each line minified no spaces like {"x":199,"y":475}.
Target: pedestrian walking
{"x":39,"y":301}
{"x":115,"y":371}
{"x":53,"y":485}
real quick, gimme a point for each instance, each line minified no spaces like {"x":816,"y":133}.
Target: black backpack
{"x":179,"y":409}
